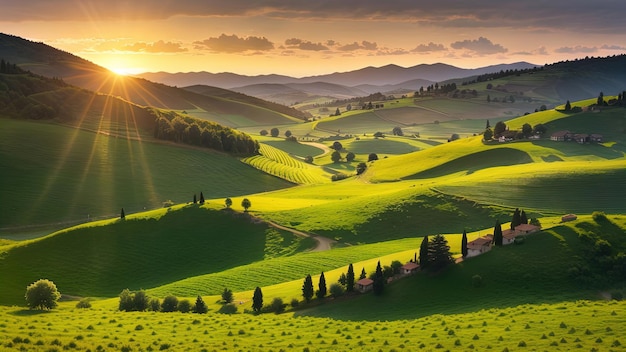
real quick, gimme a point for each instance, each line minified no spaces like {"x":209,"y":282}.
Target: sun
{"x":124,"y":71}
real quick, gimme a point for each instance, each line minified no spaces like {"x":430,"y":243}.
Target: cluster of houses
{"x":366,"y":284}
{"x":483,"y":244}
{"x":582,"y":138}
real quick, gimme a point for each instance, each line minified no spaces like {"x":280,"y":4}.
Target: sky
{"x":304,"y":38}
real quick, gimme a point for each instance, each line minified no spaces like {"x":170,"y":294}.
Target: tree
{"x":488,"y":125}
{"x":335,"y":156}
{"x":350,"y":278}
{"x":122,"y":215}
{"x":308,"y":159}
{"x":201,"y":198}
{"x":257,"y":300}
{"x":454,"y":137}
{"x":397,"y":131}
{"x":424,"y":253}
{"x":321,"y":292}
{"x":140,"y":301}
{"x":227,"y":295}
{"x":497,"y":234}
{"x":396,"y":267}
{"x":488,"y":134}
{"x":277,"y":306}
{"x":363,"y":274}
{"x":337,"y":112}
{"x":464,"y":244}
{"x":600,"y":99}
{"x":42,"y":294}
{"x":539,"y":129}
{"x":169,"y":304}
{"x":335,"y":290}
{"x":372,"y":157}
{"x":184,"y":306}
{"x":439,"y":253}
{"x":245,"y":203}
{"x":379,"y":134}
{"x":288,"y":133}
{"x":379,"y":280}
{"x":263,"y":133}
{"x":568,"y":106}
{"x":228,"y":202}
{"x":499,"y":129}
{"x":337,"y":146}
{"x":342,"y":279}
{"x":523,"y":218}
{"x":516,"y":219}
{"x":307,"y":288}
{"x":350,"y":157}
{"x":126,"y":301}
{"x":274,"y":132}
{"x":527,"y":130}
{"x":195,"y":200}
{"x":200,"y":307}
{"x":360,"y":168}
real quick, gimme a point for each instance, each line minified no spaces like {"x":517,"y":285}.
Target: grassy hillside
{"x":142,"y":252}
{"x":54,"y":174}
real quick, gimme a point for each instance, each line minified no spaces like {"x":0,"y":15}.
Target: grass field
{"x":73,"y":175}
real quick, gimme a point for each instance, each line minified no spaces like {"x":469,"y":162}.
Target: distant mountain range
{"x":338,"y":85}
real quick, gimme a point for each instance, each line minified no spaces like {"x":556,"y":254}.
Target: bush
{"x":83,"y":303}
{"x":228,"y":309}
{"x":155,"y":305}
{"x":338,"y":177}
{"x":184,"y":306}
{"x":170,"y":304}
{"x":277,"y":306}
{"x":308,"y":159}
{"x":336,"y":290}
{"x":42,"y":294}
{"x":361,"y":168}
{"x":295,"y":303}
{"x":372,"y":157}
{"x":599,"y":217}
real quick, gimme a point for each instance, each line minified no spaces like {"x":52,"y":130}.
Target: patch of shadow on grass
{"x":30,"y":312}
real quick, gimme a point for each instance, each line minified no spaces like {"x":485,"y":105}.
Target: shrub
{"x":372,"y":157}
{"x":599,"y":216}
{"x":336,"y":290}
{"x":308,"y":159}
{"x":42,"y":294}
{"x":277,"y":306}
{"x":184,"y":306}
{"x":338,"y":177}
{"x":155,"y":305}
{"x":83,"y":303}
{"x":228,"y":309}
{"x":170,"y":304}
{"x":295,"y":303}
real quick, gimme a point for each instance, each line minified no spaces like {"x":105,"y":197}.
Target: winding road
{"x":323,"y":243}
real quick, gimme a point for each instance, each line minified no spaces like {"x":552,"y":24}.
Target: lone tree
{"x":379,"y":280}
{"x":307,"y":288}
{"x":200,"y":307}
{"x":568,"y":106}
{"x":321,"y":292}
{"x":257,"y":300}
{"x":274,"y":132}
{"x":350,"y":278}
{"x":122,"y":215}
{"x":439,"y":253}
{"x":464,"y":244}
{"x":245,"y":203}
{"x":227,"y":295}
{"x":228,"y":202}
{"x":497,"y":234}
{"x":42,"y":294}
{"x":424,"y":253}
{"x":372,"y":157}
{"x":360,"y":168}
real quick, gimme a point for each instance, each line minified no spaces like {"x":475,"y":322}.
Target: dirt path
{"x":323,"y":243}
{"x":321,"y":146}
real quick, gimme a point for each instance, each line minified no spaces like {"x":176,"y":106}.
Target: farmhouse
{"x":508,"y":236}
{"x":566,"y":136}
{"x":410,"y":268}
{"x":479,"y":246}
{"x":364,"y":285}
{"x":569,"y":217}
{"x":525,"y":229}
{"x":561,"y":136}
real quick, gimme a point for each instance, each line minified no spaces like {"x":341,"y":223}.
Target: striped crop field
{"x":280,"y":164}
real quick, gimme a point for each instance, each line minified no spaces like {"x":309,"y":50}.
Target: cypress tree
{"x":194,"y":199}
{"x":523,"y":217}
{"x":321,"y":292}
{"x":307,"y":288}
{"x":464,"y":244}
{"x":517,"y":219}
{"x":497,"y":234}
{"x":424,"y":253}
{"x":379,"y":280}
{"x":201,"y":198}
{"x":122,"y":215}
{"x":363,"y":274}
{"x":350,"y":279}
{"x":257,"y":300}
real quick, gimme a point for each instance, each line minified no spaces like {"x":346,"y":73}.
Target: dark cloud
{"x":156,"y":47}
{"x":430,"y":47}
{"x":480,"y":46}
{"x":234,"y":44}
{"x":578,"y":15}
{"x":364,"y":45}
{"x":295,"y":43}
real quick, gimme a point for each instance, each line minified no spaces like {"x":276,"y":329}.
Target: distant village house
{"x":364,"y":285}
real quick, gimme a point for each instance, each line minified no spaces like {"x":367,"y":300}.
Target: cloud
{"x":295,"y":43}
{"x":156,"y":47}
{"x":234,"y":44}
{"x":613,"y":47}
{"x":603,"y":16}
{"x":539,"y":51}
{"x":480,"y":46}
{"x":576,"y":49}
{"x":364,"y":45}
{"x":428,"y":48}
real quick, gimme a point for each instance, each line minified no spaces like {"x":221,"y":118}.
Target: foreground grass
{"x":583,"y":325}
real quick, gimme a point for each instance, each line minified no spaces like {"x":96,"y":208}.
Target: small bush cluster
{"x":139,"y":301}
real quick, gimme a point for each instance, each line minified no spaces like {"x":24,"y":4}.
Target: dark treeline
{"x":503,"y":73}
{"x":173,"y":127}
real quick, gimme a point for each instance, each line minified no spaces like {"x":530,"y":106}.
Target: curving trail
{"x":323,"y":243}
